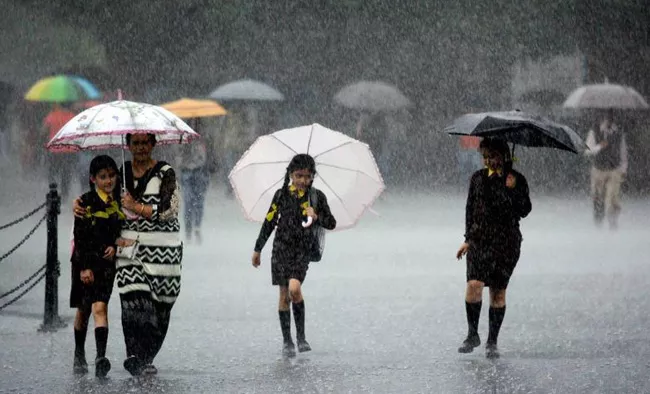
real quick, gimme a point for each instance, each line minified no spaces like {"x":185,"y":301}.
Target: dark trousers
{"x":194,"y":184}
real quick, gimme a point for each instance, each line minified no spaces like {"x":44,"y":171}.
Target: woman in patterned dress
{"x":148,"y":283}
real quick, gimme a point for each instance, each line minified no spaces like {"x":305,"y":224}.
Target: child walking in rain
{"x":498,"y":198}
{"x":93,"y":261}
{"x":293,"y":243}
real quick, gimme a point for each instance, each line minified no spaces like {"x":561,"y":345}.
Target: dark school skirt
{"x":493,"y":264}
{"x":83,"y":296}
{"x":285,"y":266}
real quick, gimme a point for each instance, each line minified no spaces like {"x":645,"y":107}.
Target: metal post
{"x":51,"y":319}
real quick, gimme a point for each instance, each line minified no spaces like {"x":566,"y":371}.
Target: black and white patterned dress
{"x":150,"y":283}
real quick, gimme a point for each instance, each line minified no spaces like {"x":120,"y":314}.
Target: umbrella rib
{"x":263,"y":162}
{"x":335,"y":147}
{"x":264,"y":192}
{"x":344,"y":169}
{"x":282,"y":142}
{"x":336,"y":195}
{"x":311,"y":134}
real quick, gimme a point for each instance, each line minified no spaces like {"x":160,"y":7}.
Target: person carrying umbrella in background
{"x":608,"y":148}
{"x":291,"y":204}
{"x":498,"y":198}
{"x":194,"y":183}
{"x":60,"y":165}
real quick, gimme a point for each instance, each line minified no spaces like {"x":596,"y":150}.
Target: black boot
{"x":102,"y":365}
{"x":496,"y":318}
{"x":299,"y":318}
{"x":79,"y":366}
{"x":288,"y":348}
{"x":473,"y":311}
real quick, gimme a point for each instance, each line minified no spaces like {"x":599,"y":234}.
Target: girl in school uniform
{"x":292,"y":244}
{"x":498,"y":199}
{"x":93,"y":261}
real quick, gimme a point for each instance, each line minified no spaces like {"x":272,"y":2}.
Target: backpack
{"x":317,"y":232}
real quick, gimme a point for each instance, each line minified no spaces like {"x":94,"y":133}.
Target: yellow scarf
{"x":491,"y":171}
{"x":113,"y":208}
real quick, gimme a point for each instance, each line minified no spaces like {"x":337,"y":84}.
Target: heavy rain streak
{"x":324,"y":196}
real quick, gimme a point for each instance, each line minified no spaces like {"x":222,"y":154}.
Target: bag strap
{"x":313,"y":198}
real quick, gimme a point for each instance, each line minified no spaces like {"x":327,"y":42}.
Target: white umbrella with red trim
{"x":346,"y":172}
{"x":104,"y":126}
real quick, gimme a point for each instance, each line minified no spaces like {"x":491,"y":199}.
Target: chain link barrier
{"x":26,"y":216}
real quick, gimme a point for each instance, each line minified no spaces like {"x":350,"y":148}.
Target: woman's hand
{"x":109,"y":253}
{"x":311,"y":213}
{"x":124,"y":242}
{"x":511,"y":181}
{"x":256,"y":259}
{"x":462,"y":251}
{"x":87,"y":277}
{"x":129,"y":203}
{"x":77,"y":210}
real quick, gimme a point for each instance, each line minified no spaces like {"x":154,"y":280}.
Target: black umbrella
{"x":518,"y":128}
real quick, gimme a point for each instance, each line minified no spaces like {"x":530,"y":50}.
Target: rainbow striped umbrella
{"x":62,"y":88}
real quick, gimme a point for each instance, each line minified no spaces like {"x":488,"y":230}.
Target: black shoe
{"x":469,"y":344}
{"x":149,"y":369}
{"x":303,"y":346}
{"x":102,"y":366}
{"x":80,"y":366}
{"x":491,"y":351}
{"x":134,"y":365}
{"x":288,"y":349}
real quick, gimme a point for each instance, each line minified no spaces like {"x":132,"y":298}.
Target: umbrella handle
{"x":308,"y":222}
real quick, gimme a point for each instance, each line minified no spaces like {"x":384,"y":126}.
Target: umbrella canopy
{"x":104,"y":126}
{"x":246,"y":89}
{"x":605,"y":96}
{"x":190,"y":108}
{"x":519,"y":128}
{"x":372,"y":96}
{"x":345,"y":171}
{"x":62,"y":88}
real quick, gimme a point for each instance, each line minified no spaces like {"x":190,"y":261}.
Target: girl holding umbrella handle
{"x":292,"y":243}
{"x":498,"y":198}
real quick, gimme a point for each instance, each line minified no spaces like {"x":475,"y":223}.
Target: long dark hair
{"x":301,"y":161}
{"x":103,"y":162}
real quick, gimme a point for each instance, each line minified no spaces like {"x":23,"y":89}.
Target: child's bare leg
{"x":100,"y":315}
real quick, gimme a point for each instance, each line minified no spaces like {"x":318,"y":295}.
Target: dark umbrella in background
{"x":518,"y":128}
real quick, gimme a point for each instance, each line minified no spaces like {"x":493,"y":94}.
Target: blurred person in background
{"x":608,"y":149}
{"x":60,"y":165}
{"x":238,"y":136}
{"x":192,"y":163}
{"x":469,"y":158}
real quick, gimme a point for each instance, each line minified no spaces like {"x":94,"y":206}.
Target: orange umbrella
{"x":190,"y":108}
